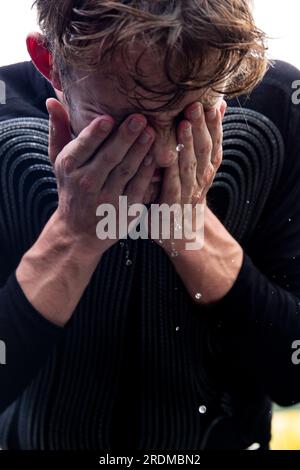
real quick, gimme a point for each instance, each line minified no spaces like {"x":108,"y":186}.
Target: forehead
{"x":114,"y":90}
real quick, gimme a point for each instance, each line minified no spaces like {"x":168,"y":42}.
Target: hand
{"x":96,"y":168}
{"x":189,"y":179}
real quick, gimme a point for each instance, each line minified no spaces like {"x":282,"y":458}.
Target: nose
{"x":164,"y":147}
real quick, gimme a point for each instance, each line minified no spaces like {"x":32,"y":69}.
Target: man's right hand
{"x":94,"y":168}
{"x":97,"y":167}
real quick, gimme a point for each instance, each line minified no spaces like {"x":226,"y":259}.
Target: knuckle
{"x":206,"y":148}
{"x":125,"y":171}
{"x":208,"y":175}
{"x":219,"y":141}
{"x":186,"y":196}
{"x":86,"y":183}
{"x":81,"y":142}
{"x":110,"y":159}
{"x":68,"y":164}
{"x":189,"y":167}
{"x":59,"y":165}
{"x":218,"y":158}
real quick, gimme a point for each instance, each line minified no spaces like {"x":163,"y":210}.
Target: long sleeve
{"x":27,"y":336}
{"x":28,"y":339}
{"x":259,"y":319}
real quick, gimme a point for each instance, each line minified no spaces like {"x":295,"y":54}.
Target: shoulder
{"x":278,"y":98}
{"x":275,"y":97}
{"x":25,"y":91}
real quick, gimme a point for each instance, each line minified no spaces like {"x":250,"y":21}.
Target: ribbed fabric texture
{"x":76,"y":399}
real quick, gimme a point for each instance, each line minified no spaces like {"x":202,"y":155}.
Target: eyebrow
{"x":123,"y":113}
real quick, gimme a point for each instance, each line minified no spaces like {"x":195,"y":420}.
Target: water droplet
{"x":294,"y":257}
{"x":254,"y":446}
{"x":174,"y":254}
{"x":290,"y":220}
{"x":247,"y":202}
{"x":202,"y":409}
{"x":179,"y":147}
{"x":128,"y":262}
{"x":122,"y":244}
{"x":198,"y":296}
{"x":177,"y":328}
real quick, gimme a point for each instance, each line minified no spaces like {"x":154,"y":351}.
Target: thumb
{"x":59,"y":128}
{"x":223,"y":108}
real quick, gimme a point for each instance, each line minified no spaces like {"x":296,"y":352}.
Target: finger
{"x":128,"y":167}
{"x":214,"y":125}
{"x":112,"y":152}
{"x":138,"y":185}
{"x":187,"y":161}
{"x":201,"y":138}
{"x":223,"y":108}
{"x":59,"y":128}
{"x":171,"y":186}
{"x":81,"y":149}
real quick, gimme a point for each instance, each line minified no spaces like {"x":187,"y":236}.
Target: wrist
{"x":54,"y":272}
{"x":57,"y":235}
{"x":212,"y":270}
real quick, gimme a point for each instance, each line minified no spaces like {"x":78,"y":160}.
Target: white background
{"x":279,"y":18}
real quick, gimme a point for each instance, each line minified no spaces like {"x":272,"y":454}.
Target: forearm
{"x":54,"y":273}
{"x":212,"y":270}
{"x":254,"y":320}
{"x":29,"y":340}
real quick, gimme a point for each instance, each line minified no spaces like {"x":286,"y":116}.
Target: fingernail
{"x":188,"y":130}
{"x":145,"y":138}
{"x":106,"y":125}
{"x":148,"y":160}
{"x":211,"y":115}
{"x":135,"y":125}
{"x":196,"y":113}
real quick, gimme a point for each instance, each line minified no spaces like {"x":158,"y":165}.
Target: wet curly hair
{"x":187,"y":35}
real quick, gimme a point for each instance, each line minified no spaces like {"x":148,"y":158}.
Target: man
{"x":147,"y":345}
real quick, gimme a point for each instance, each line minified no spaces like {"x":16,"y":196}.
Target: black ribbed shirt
{"x":139,"y":358}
